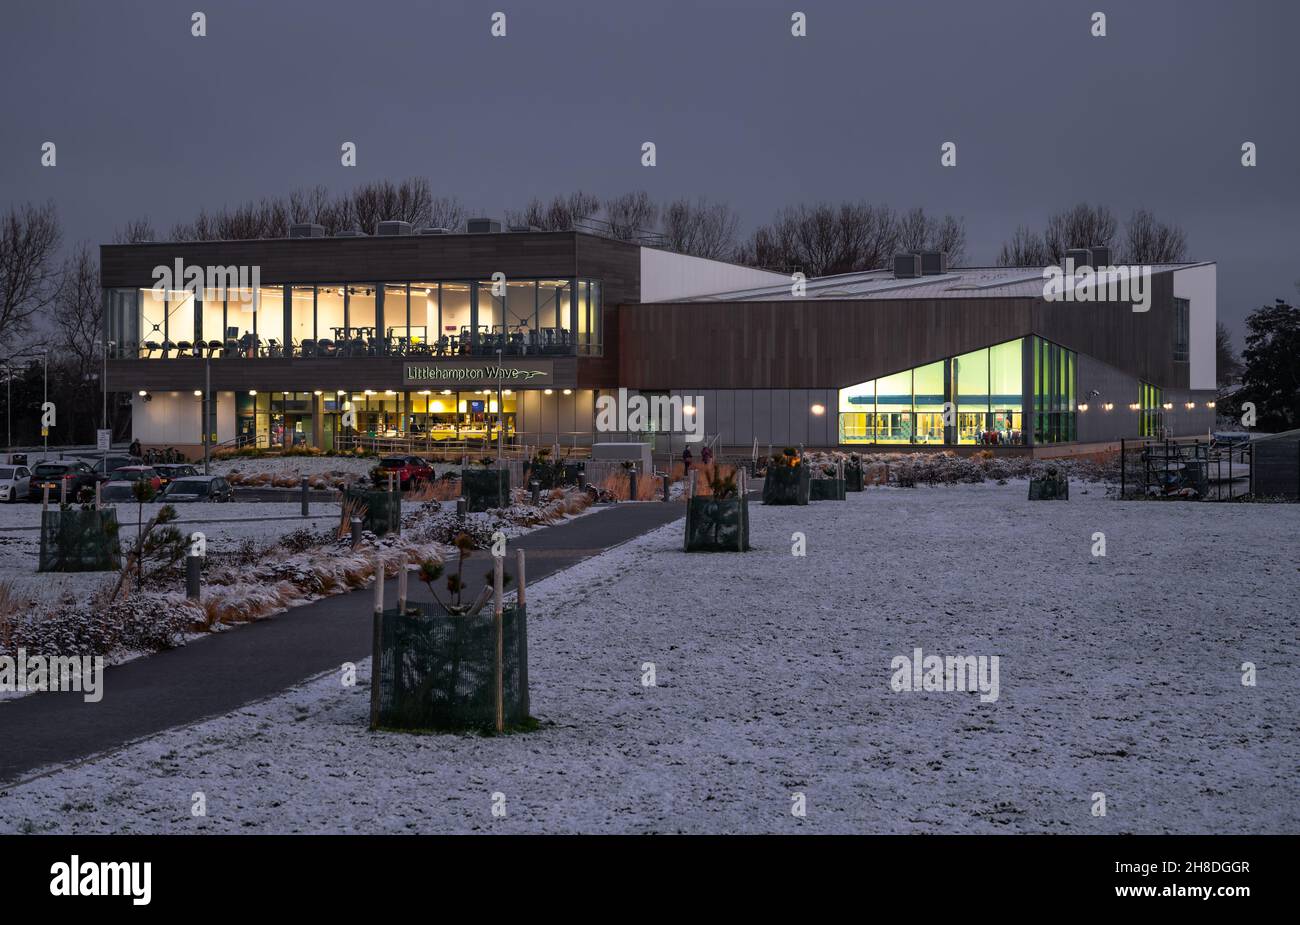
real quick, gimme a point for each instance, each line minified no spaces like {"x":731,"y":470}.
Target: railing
{"x":544,"y":342}
{"x":519,"y":445}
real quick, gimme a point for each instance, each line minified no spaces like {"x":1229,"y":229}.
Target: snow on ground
{"x":345,"y":467}
{"x":224,"y":525}
{"x":1118,"y":675}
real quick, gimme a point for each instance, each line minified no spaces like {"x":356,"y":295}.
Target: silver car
{"x":15,"y":482}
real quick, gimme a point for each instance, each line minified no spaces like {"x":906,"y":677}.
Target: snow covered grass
{"x":1119,"y":674}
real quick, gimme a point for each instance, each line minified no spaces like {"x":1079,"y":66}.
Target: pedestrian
{"x":686,"y":458}
{"x":135,"y":449}
{"x":706,"y":456}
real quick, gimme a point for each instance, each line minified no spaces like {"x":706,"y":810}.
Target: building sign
{"x":446,"y":372}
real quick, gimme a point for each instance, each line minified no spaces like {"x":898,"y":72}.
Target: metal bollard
{"x":536,"y":486}
{"x":461,"y":508}
{"x":305,"y":512}
{"x":356,"y":533}
{"x":582,"y":481}
{"x":667,"y":483}
{"x":631,"y":484}
{"x":192,"y":567}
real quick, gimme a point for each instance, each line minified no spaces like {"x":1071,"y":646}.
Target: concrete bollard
{"x":536,"y":487}
{"x":356,"y":533}
{"x":305,"y":510}
{"x":193,"y":565}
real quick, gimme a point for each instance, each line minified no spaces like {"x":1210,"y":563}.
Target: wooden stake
{"x":519,"y":566}
{"x":402,"y":574}
{"x":498,"y":618}
{"x":379,"y":581}
{"x":45,"y":498}
{"x":98,"y":499}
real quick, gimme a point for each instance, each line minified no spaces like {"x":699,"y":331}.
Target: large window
{"x":330,"y":324}
{"x":1182,"y":330}
{"x":908,"y":407}
{"x":1150,"y":401}
{"x":302,"y":314}
{"x":1054,"y":377}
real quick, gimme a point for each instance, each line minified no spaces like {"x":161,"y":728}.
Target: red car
{"x":138,"y":474}
{"x":408,"y":469}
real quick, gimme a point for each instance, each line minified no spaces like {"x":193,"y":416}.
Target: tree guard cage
{"x":383,"y":509}
{"x":76,"y":540}
{"x":485,"y":489}
{"x":438,"y":672}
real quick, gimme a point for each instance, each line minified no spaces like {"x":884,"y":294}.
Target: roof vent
{"x":385,"y":229}
{"x":907,"y":266}
{"x":523,"y":228}
{"x":306,"y":230}
{"x":432,"y":230}
{"x":934,"y":263}
{"x":351,"y":233}
{"x":483,"y":226}
{"x":1100,"y":256}
{"x":1081,"y":256}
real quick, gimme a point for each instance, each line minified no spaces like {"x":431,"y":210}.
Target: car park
{"x":73,"y":473}
{"x":198,"y":488}
{"x":114,"y":462}
{"x":15,"y":482}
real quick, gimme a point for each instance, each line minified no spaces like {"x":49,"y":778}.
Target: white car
{"x":15,"y":482}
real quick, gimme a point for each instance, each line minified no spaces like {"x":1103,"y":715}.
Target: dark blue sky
{"x":149,"y":120}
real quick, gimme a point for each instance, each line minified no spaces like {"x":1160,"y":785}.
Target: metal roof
{"x":957,"y":283}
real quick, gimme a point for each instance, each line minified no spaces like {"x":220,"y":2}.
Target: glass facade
{"x":1150,"y":403}
{"x":557,"y":317}
{"x":1055,"y":372}
{"x":984,"y":386}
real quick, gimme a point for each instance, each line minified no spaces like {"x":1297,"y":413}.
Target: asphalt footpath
{"x":222,"y":672}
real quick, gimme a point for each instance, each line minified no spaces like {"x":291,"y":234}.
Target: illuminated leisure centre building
{"x":440,"y":341}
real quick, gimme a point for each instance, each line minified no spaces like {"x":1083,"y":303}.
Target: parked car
{"x":198,"y":488}
{"x":52,"y":475}
{"x":169,"y":472}
{"x":115,"y":462}
{"x":408,"y":469}
{"x":15,"y":482}
{"x":139,"y":474}
{"x":117,"y":490}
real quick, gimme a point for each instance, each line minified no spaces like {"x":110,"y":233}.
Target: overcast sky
{"x":149,"y":120}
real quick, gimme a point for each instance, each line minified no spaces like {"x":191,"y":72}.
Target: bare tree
{"x":1025,"y":249}
{"x":560,"y":214}
{"x":825,"y":239}
{"x":1147,"y":240}
{"x":447,"y":212}
{"x":1228,"y":364}
{"x":919,"y":233}
{"x":1081,"y":226}
{"x":79,"y":326}
{"x":630,"y":215}
{"x":136,"y":231}
{"x":30,"y":278}
{"x":701,"y":229}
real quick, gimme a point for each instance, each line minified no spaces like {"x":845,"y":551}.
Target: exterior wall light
{"x":370,"y":391}
{"x":568,"y":391}
{"x":317,"y":392}
{"x":252,"y":391}
{"x":1083,"y":407}
{"x":1134,"y":406}
{"x":818,"y":410}
{"x":1168,"y":406}
{"x":1209,"y":404}
{"x":143,"y":393}
{"x":198,"y":393}
{"x":507,"y":392}
{"x":446,"y":391}
{"x":1109,"y":406}
{"x":548,"y":391}
{"x":1191,"y":405}
{"x":339,"y":392}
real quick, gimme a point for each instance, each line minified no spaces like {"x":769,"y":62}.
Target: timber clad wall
{"x":823,"y":343}
{"x":802,"y":344}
